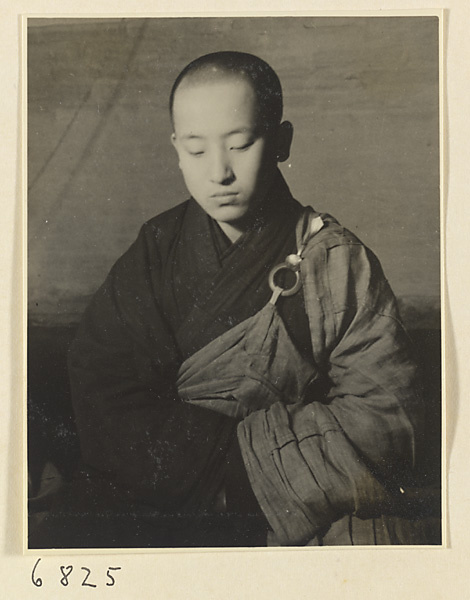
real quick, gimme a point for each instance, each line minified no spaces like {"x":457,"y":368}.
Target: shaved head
{"x":212,"y":68}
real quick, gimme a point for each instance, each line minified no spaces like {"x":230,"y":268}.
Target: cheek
{"x":261,"y":168}
{"x":251,"y":166}
{"x":190,"y":172}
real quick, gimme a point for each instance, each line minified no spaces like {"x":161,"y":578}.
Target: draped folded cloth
{"x":249,"y":368}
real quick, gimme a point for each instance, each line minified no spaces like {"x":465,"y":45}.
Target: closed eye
{"x":242,"y":147}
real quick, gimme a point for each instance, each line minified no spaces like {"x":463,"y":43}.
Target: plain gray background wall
{"x":362,"y":94}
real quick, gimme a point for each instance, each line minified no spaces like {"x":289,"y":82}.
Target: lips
{"x":224,"y":194}
{"x":225,"y":198}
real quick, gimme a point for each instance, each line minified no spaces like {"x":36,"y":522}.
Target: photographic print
{"x":234,"y":292}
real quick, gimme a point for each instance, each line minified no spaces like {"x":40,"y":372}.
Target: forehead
{"x":219,"y":103}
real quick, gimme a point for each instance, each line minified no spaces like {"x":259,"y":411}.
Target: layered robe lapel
{"x":215,"y":292}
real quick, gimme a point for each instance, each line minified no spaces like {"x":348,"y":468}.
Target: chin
{"x":229,"y":214}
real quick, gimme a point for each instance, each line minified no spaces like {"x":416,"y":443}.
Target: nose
{"x":220,"y":169}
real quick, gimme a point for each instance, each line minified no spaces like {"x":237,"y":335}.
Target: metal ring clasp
{"x":278,"y":290}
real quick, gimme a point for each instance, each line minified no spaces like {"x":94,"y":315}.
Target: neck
{"x":233,"y":232}
{"x":236,"y":229}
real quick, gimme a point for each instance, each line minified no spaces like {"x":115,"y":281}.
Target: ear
{"x":284,"y":140}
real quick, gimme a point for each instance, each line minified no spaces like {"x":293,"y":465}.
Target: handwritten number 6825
{"x":66,"y":571}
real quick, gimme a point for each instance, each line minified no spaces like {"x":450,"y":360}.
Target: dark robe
{"x":152,"y":465}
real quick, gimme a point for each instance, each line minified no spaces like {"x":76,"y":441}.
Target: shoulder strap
{"x":308,"y":225}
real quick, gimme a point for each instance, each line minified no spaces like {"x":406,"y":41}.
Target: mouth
{"x":225,"y":198}
{"x":224,"y":195}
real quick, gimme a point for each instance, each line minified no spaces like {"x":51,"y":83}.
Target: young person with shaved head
{"x":242,"y":377}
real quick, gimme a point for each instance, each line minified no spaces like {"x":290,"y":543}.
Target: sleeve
{"x":133,"y":427}
{"x":310,"y":464}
